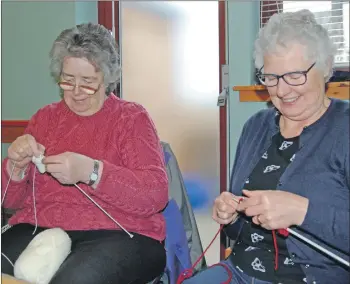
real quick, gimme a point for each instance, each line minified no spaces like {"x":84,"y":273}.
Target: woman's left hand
{"x":69,"y":168}
{"x":274,"y":209}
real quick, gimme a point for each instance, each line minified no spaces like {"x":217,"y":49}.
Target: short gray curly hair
{"x":296,"y":27}
{"x":93,"y":42}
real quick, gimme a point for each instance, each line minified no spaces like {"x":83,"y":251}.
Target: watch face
{"x":93,"y":177}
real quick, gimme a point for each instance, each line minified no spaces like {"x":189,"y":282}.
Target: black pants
{"x":97,"y":257}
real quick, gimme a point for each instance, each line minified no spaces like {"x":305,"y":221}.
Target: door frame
{"x":223,"y":113}
{"x":106,"y":18}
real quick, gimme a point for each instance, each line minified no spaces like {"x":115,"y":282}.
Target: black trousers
{"x":97,"y":257}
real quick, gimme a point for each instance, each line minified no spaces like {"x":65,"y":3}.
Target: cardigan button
{"x":307,"y":266}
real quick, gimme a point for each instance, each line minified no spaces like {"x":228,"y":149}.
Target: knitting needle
{"x":104,"y":211}
{"x":329,"y":253}
{"x":299,"y":236}
{"x":237,"y":200}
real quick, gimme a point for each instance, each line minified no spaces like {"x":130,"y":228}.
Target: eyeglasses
{"x":70,"y":87}
{"x":296,"y":78}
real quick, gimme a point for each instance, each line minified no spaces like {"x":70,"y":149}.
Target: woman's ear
{"x":328,"y":69}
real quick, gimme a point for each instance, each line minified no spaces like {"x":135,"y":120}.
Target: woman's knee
{"x":106,"y":271}
{"x":113,"y":261}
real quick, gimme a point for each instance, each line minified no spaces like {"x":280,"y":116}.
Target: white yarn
{"x":38,"y":162}
{"x":34,"y":204}
{"x":41,"y":259}
{"x":7,"y":186}
{"x":6,"y":227}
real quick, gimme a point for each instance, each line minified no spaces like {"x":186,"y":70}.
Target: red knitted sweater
{"x":133,"y":186}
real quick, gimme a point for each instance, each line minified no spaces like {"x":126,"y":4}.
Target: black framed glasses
{"x":296,"y":78}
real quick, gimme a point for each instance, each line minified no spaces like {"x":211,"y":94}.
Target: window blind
{"x":333,"y":15}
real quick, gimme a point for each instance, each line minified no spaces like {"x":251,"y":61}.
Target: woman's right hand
{"x":225,"y":208}
{"x":22,"y":150}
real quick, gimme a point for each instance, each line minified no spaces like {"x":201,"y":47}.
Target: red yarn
{"x":282,"y":232}
{"x":276,"y":248}
{"x":189,"y":272}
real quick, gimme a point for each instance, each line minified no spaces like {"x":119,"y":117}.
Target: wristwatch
{"x":94,"y":174}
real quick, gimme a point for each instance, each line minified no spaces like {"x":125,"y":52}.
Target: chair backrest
{"x":177,"y":192}
{"x":182,"y":243}
{"x":177,"y":251}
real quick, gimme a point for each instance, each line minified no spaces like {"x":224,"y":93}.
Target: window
{"x":333,"y":15}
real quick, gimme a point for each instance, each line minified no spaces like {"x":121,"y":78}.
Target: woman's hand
{"x":225,"y":208}
{"x":69,"y":168}
{"x":274,"y":209}
{"x":21,"y":151}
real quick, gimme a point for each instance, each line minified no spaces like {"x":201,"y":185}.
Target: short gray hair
{"x":296,"y":27}
{"x":93,"y":42}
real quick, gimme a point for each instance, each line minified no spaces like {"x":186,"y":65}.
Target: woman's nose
{"x":282,"y":88}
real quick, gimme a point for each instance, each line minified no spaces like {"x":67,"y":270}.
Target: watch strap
{"x":94,"y":172}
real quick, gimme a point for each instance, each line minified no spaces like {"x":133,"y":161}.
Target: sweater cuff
{"x":103,"y":176}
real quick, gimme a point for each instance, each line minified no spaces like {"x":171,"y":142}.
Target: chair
{"x":179,"y":209}
{"x":177,"y":191}
{"x":176,"y":246}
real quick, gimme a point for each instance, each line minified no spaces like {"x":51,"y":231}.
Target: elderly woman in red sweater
{"x":110,"y":149}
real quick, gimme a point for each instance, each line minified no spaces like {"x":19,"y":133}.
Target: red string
{"x":276,"y":248}
{"x":282,"y":232}
{"x":189,"y":272}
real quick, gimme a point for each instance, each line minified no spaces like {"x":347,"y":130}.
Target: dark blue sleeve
{"x":336,"y":233}
{"x":328,"y":221}
{"x":232,"y":231}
